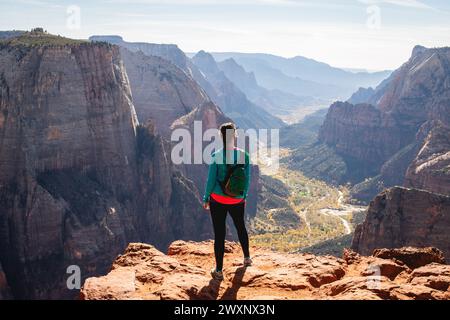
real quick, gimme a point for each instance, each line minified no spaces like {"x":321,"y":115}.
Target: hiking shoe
{"x":218,"y":275}
{"x":248,"y":261}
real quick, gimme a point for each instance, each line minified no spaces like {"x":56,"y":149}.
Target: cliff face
{"x":78,"y":178}
{"x":364,"y":136}
{"x":382,"y":134}
{"x":67,"y":151}
{"x":74,"y":103}
{"x":161,"y":91}
{"x":419,"y":90}
{"x":430,"y":170}
{"x":144,"y":273}
{"x":405,"y":217}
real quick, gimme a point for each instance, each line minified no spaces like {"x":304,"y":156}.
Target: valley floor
{"x":322,"y":209}
{"x":300,"y":113}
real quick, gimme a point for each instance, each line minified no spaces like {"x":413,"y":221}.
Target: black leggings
{"x":218,"y":216}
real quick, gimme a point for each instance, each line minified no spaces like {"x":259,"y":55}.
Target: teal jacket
{"x":218,"y":170}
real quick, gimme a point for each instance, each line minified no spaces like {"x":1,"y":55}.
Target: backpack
{"x":234,"y":182}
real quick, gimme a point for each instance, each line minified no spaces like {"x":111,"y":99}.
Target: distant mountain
{"x":308,"y":69}
{"x":272,"y":78}
{"x":276,"y":102}
{"x":233,"y":101}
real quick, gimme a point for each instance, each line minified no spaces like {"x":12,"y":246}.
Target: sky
{"x":359,"y":34}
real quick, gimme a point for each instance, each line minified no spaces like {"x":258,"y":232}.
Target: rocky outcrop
{"x":231,"y":100}
{"x":144,"y":273}
{"x":79,"y":179}
{"x":405,"y":217}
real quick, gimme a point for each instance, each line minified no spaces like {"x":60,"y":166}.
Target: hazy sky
{"x":369,"y":34}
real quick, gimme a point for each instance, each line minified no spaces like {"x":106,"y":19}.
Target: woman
{"x":222,"y":197}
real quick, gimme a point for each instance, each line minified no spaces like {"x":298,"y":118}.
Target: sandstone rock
{"x":184,"y":274}
{"x":380,"y":286}
{"x":120,"y":285}
{"x":402,"y":217}
{"x":412,"y":257}
{"x":430,"y":170}
{"x":417,"y":292}
{"x":435,"y":276}
{"x":385,"y":268}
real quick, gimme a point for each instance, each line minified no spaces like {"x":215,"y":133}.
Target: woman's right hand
{"x":206,"y":205}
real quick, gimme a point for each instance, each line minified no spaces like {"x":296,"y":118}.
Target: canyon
{"x":86,"y":176}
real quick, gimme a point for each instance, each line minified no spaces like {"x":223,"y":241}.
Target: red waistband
{"x":225,"y":200}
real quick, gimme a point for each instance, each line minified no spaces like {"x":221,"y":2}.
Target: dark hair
{"x":223,"y":130}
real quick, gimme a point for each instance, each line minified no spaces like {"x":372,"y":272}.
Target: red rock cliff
{"x":405,"y":217}
{"x":78,"y":178}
